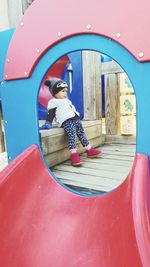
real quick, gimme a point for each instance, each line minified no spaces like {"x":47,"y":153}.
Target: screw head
{"x":38,"y":51}
{"x":118,"y":35}
{"x":89,"y":26}
{"x":59,"y":34}
{"x":6,"y":76}
{"x":25,"y":73}
{"x":21,"y":24}
{"x":8,"y":60}
{"x":141,"y":54}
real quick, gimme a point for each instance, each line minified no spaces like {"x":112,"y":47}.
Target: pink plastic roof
{"x":46,"y":22}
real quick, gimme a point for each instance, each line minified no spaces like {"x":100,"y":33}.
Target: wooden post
{"x":92,"y":85}
{"x":25,"y":4}
{"x":112,"y":104}
{"x":4,"y":15}
{"x":14,"y":12}
{"x":11,"y":12}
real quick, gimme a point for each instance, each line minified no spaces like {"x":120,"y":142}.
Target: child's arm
{"x":51,"y":115}
{"x":49,"y":120}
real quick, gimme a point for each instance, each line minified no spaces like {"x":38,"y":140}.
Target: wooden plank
{"x":118,"y":147}
{"x":109,"y":162}
{"x":114,"y":157}
{"x":120,"y":139}
{"x":112,"y":105}
{"x":121,"y":147}
{"x":56,"y":130}
{"x":88,"y":186}
{"x":82,"y":177}
{"x":90,"y":172}
{"x":103,"y":166}
{"x":129,"y":151}
{"x":111,"y":67}
{"x":103,"y":185}
{"x":118,"y":114}
{"x":118,"y":153}
{"x":91,"y":85}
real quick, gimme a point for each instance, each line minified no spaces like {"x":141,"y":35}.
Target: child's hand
{"x":46,"y":126}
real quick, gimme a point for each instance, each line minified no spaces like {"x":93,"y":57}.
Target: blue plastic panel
{"x":5,"y":38}
{"x":20,"y":96}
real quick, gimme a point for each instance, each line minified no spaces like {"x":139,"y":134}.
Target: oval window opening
{"x":102,"y":93}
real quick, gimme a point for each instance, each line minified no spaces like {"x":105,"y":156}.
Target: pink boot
{"x":93,"y":153}
{"x":75,"y":159}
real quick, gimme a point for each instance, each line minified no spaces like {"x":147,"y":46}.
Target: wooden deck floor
{"x":101,"y":174}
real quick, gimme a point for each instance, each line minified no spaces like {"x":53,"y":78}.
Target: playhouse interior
{"x":105,"y":98}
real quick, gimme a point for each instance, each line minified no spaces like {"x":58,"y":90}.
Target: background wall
{"x":11,"y":12}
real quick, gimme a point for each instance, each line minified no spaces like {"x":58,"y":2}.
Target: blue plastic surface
{"x":5,"y":38}
{"x":42,"y":112}
{"x":76,"y":96}
{"x":17,"y":111}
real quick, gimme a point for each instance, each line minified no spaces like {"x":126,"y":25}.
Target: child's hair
{"x":55,"y":85}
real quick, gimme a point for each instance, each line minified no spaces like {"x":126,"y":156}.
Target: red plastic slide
{"x":42,"y":224}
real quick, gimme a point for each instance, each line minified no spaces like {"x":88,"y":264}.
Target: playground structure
{"x":46,"y":224}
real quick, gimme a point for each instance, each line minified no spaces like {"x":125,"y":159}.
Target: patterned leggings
{"x":74,"y":128}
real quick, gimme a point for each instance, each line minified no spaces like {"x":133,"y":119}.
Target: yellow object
{"x":128,"y":125}
{"x":125,"y":84}
{"x":127,"y":104}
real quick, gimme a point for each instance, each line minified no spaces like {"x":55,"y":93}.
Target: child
{"x":67,"y":117}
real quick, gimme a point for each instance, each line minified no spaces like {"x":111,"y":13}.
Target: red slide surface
{"x":42,"y":224}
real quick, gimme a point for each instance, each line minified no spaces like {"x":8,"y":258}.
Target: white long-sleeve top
{"x":64,"y":109}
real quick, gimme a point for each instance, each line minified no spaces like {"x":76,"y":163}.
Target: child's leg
{"x":81,"y":134}
{"x":69,"y":127}
{"x":91,"y":152}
